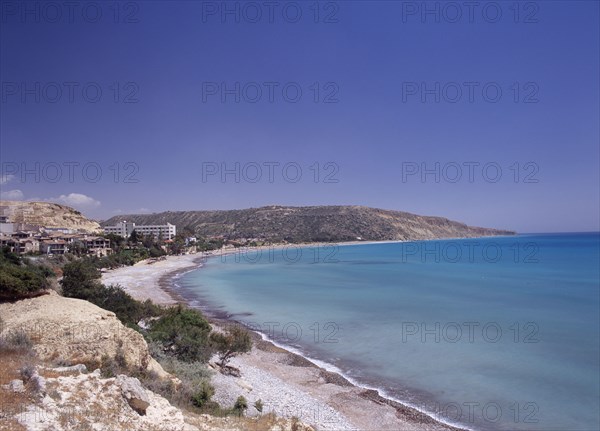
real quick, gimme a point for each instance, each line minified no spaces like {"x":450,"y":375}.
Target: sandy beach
{"x":145,"y":279}
{"x":285,"y":382}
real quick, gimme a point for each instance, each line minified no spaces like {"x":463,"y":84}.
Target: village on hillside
{"x":24,"y":238}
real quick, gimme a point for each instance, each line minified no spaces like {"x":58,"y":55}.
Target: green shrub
{"x":128,"y":310}
{"x":157,"y":252}
{"x":184,"y":333}
{"x":203,"y":395}
{"x":20,"y":279}
{"x":240,"y":406}
{"x":80,"y":280}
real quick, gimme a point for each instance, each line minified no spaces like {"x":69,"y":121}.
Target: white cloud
{"x":12,"y":195}
{"x":77,"y":200}
{"x":5,"y":178}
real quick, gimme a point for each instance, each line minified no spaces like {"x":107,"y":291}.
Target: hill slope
{"x":317,"y":223}
{"x":47,"y":214}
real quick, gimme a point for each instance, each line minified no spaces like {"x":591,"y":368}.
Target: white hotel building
{"x":125,"y":228}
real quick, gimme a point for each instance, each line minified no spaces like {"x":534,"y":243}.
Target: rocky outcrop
{"x":135,"y":394}
{"x":73,"y":331}
{"x":47,"y":214}
{"x":313,"y":224}
{"x":88,"y":401}
{"x":74,"y":399}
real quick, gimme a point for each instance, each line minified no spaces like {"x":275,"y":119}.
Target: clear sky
{"x":485,"y":113}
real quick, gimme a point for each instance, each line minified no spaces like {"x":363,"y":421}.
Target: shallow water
{"x":497,"y":333}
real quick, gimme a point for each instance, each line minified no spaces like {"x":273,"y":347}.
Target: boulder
{"x":135,"y":394}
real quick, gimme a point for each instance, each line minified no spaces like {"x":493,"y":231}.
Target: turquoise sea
{"x":492,"y":334}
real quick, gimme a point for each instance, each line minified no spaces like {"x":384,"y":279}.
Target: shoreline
{"x":313,"y":390}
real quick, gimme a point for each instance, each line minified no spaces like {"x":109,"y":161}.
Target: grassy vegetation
{"x":19,"y":278}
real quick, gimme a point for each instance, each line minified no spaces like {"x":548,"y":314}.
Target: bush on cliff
{"x":20,"y":279}
{"x":80,"y":280}
{"x":184,"y":333}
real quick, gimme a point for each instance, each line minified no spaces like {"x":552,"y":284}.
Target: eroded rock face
{"x":88,"y":401}
{"x":47,"y":214}
{"x":73,"y":331}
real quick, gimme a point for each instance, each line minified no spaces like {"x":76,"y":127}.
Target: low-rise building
{"x":97,"y":245}
{"x":51,"y":246}
{"x":27,"y":246}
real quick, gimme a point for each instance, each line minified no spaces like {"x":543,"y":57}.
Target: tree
{"x":184,"y":333}
{"x":80,"y":280}
{"x":134,"y":237}
{"x":148,"y":241}
{"x":178,"y":244}
{"x":78,"y":248}
{"x":235,"y":341}
{"x":116,"y":241}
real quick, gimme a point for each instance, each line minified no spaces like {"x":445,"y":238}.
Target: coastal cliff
{"x":47,"y":214}
{"x":49,"y":349}
{"x":313,"y":224}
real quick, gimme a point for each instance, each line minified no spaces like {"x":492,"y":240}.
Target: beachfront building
{"x":125,"y":228}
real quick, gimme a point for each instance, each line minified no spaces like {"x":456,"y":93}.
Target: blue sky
{"x":133,"y":108}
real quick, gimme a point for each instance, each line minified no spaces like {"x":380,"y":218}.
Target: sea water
{"x":490,"y":333}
